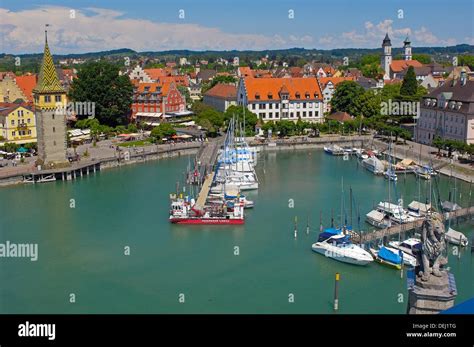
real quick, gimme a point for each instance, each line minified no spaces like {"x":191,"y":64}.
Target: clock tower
{"x":50,"y":123}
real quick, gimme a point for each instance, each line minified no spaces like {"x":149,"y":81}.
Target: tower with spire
{"x":51,"y":125}
{"x":386,"y":58}
{"x":407,"y":49}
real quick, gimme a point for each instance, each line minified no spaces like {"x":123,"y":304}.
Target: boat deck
{"x":201,"y":201}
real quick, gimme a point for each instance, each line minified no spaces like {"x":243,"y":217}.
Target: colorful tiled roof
{"x":48,"y":81}
{"x":259,"y":89}
{"x":156,"y":73}
{"x":225,"y":91}
{"x":400,"y":65}
{"x":27,"y":83}
{"x":334,"y":80}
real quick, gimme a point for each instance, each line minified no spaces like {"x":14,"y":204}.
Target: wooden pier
{"x":380,"y":234}
{"x":206,"y":160}
{"x":63,"y":174}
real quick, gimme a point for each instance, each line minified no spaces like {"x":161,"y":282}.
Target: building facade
{"x":448,"y":112}
{"x":51,"y":125}
{"x":221,"y":96}
{"x":153,"y":100}
{"x":17,"y":124}
{"x":274,"y":99}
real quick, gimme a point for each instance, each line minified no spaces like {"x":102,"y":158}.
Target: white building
{"x":274,"y":99}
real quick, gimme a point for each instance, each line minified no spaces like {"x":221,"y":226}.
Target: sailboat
{"x":390,"y":173}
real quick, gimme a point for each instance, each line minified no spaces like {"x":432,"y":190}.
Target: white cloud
{"x":373,"y":34}
{"x":95,"y":29}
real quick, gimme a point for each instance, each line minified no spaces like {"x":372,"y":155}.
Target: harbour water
{"x":255,"y":268}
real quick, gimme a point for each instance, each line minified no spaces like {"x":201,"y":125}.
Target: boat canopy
{"x":390,"y":256}
{"x":419,"y":207}
{"x":376,"y":215}
{"x":407,"y":162}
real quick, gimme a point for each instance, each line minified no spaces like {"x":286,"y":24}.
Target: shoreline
{"x":278,"y":145}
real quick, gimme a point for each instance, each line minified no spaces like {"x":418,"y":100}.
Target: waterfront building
{"x":152,"y":100}
{"x":328,"y":87}
{"x":221,"y":96}
{"x":274,"y":99}
{"x":448,"y":112}
{"x":51,"y":125}
{"x":17,"y":123}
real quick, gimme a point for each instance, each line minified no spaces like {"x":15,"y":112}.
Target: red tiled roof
{"x":26,"y":84}
{"x":155,"y":73}
{"x":400,"y":65}
{"x":245,"y":71}
{"x":335,"y":80}
{"x":225,"y":91}
{"x":340,"y":116}
{"x":272,"y":86}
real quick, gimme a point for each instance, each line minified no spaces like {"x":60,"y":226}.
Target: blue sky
{"x":155,"y":25}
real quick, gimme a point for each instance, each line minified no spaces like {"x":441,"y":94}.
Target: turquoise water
{"x":81,"y":249}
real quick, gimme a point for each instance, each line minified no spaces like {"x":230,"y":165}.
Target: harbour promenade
{"x":104,"y":155}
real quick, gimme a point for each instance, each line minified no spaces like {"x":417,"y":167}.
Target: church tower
{"x":407,"y":49}
{"x":50,"y":124}
{"x":386,"y":60}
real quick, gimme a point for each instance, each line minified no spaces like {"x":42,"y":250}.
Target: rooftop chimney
{"x":463,"y":78}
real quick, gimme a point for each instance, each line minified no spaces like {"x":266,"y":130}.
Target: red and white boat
{"x":184,"y":212}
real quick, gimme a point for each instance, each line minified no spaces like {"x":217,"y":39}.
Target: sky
{"x":81,"y":26}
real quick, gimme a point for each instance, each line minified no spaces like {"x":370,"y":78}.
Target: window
{"x":53,"y":116}
{"x":298,"y":114}
{"x":277,"y":114}
{"x":254,"y":106}
{"x":310,"y":113}
{"x":29,"y":120}
{"x":13,"y":122}
{"x":29,"y":132}
{"x":270,"y":115}
{"x":57,"y":98}
{"x":291,"y":115}
{"x":304,"y":104}
{"x":47,"y":98}
{"x":261,"y":106}
{"x":270,"y":106}
{"x":13,"y":133}
{"x":277,"y":106}
{"x":54,"y":143}
{"x":304,"y":114}
{"x":54,"y":129}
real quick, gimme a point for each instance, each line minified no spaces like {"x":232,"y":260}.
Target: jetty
{"x":206,"y":159}
{"x":368,"y":237}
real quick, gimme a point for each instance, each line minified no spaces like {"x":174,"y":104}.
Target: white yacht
{"x":378,"y":219}
{"x":408,"y":246}
{"x":374,"y":165}
{"x":456,"y":238}
{"x":338,"y":247}
{"x":396,"y":213}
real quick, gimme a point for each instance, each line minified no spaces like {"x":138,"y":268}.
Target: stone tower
{"x":50,"y":124}
{"x":407,"y":49}
{"x":386,"y":60}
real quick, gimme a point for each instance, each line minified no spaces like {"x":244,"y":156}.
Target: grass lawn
{"x":138,"y":143}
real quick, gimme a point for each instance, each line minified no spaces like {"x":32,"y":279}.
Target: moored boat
{"x":456,"y":238}
{"x":338,"y":247}
{"x":387,"y":256}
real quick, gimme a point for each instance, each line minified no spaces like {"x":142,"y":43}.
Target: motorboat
{"x":378,"y":219}
{"x":334,"y":150}
{"x":396,"y":213}
{"x":456,"y":237}
{"x":374,"y":165}
{"x":410,"y":246}
{"x":339,"y":247}
{"x":388,"y":256}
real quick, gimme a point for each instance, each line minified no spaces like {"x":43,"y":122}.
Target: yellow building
{"x":17,"y":124}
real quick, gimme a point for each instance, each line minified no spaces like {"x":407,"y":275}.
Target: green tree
{"x":238,"y":112}
{"x":163,"y":130}
{"x":185,"y":92}
{"x":347,"y":98}
{"x":222,"y":79}
{"x":99,"y":82}
{"x":422,"y":58}
{"x":409,"y":87}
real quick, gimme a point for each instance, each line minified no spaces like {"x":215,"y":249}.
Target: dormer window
{"x":307,"y":95}
{"x":257,"y":96}
{"x":458,"y":105}
{"x":270,"y":96}
{"x":297,"y":95}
